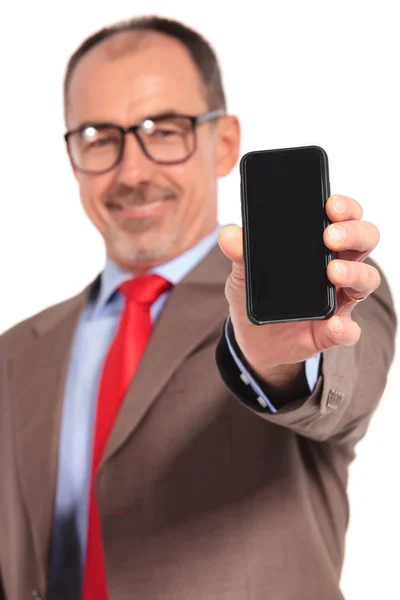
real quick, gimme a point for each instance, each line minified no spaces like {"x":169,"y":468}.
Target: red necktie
{"x":123,"y":357}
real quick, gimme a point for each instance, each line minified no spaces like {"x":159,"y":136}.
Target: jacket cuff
{"x":244,"y":382}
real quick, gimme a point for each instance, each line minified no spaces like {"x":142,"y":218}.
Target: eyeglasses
{"x":96,"y":148}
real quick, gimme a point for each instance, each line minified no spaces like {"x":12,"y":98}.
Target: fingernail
{"x":340,"y":268}
{"x":337,"y":233}
{"x":338,"y":326}
{"x":339,"y":206}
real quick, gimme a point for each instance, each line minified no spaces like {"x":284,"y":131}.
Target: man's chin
{"x":138,"y":254}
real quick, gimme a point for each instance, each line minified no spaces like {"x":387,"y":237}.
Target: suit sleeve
{"x":350,"y":384}
{"x":311,"y":368}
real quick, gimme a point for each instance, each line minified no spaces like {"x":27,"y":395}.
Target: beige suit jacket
{"x":201,"y":497}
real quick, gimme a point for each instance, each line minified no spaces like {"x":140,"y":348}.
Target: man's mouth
{"x":144,"y":206}
{"x":137,"y":209}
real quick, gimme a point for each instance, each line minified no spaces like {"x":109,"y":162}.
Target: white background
{"x":297,"y":73}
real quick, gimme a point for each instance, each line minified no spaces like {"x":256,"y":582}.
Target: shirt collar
{"x":174,"y":270}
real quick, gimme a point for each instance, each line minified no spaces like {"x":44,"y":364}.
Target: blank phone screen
{"x":283,"y":201}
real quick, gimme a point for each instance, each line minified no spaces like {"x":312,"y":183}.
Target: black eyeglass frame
{"x":195,"y":120}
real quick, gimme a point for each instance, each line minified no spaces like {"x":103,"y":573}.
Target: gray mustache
{"x":140,"y":196}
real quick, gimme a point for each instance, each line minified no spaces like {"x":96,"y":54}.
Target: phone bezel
{"x":329,"y":255}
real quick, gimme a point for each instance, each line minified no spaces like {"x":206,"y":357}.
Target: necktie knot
{"x":144,"y":289}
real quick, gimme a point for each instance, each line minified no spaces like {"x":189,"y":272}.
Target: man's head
{"x":148,"y":211}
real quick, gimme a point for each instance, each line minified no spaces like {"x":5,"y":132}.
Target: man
{"x":212,"y":479}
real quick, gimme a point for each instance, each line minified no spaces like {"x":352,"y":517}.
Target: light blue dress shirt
{"x":95,"y":331}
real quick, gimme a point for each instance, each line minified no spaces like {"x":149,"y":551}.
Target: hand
{"x":271,"y":348}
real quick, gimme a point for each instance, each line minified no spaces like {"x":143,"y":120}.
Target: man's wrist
{"x":285,"y":380}
{"x":277,"y":385}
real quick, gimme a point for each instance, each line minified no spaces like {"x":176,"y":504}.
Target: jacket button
{"x":334,"y":399}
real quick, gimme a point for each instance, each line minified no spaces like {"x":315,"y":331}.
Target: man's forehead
{"x":137,"y":62}
{"x":138,"y":48}
{"x":129,"y":42}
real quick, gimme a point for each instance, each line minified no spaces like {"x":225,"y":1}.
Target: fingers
{"x":347,"y":234}
{"x":343,"y":208}
{"x":359,"y":236}
{"x":359,"y":278}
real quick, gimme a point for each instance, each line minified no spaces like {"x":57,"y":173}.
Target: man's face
{"x":148,"y":213}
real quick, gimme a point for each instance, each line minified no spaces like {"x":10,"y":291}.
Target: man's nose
{"x":135,"y":167}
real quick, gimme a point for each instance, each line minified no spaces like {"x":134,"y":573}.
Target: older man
{"x":137,"y":460}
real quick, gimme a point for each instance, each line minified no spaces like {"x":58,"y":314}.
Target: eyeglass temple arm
{"x":213,"y":114}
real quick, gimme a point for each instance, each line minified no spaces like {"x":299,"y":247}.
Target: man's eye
{"x":101,"y":142}
{"x":165,"y":132}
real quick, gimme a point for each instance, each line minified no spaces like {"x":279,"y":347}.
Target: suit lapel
{"x":36,"y":384}
{"x":194,"y":309}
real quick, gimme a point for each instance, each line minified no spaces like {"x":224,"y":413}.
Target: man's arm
{"x":349,"y":388}
{"x":308,"y":375}
{"x":357,"y":352}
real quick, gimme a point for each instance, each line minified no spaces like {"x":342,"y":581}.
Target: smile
{"x":138,"y":210}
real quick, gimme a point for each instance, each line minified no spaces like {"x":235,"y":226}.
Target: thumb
{"x":336,"y":331}
{"x":230,"y":239}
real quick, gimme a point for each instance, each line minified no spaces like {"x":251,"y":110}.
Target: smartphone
{"x":283,"y":197}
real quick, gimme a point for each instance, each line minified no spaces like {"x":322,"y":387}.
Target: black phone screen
{"x":283,"y":206}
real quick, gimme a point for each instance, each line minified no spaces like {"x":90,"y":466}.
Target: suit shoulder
{"x":19,"y":336}
{"x":383,"y":294}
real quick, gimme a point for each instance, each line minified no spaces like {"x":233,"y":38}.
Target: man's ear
{"x":228,"y":145}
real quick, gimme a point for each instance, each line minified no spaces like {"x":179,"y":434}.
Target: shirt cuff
{"x":312,"y":368}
